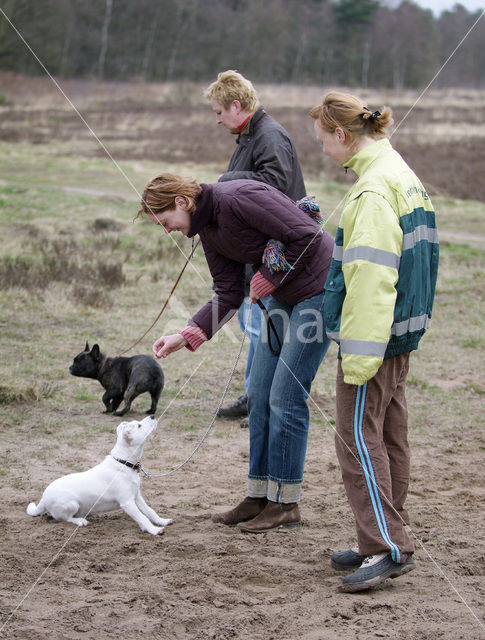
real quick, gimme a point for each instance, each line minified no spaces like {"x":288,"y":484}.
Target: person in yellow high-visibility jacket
{"x":378,"y":302}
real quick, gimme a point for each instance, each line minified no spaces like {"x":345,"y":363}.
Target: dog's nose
{"x":152,"y":417}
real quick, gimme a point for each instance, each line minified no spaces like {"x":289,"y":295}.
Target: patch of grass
{"x":419,"y":383}
{"x":102,"y":427}
{"x":77,"y":440}
{"x":473,"y":342}
{"x":44,"y":261}
{"x":50,"y":425}
{"x":185,"y":425}
{"x":106,"y":224}
{"x":222,"y":434}
{"x":86,"y":396}
{"x":45,"y":453}
{"x":11,"y":188}
{"x":19,"y":394}
{"x":478,"y":388}
{"x":91,"y":296}
{"x":463,"y":253}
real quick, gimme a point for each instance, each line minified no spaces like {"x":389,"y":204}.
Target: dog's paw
{"x":80,"y":522}
{"x":156,"y":531}
{"x":163,"y":522}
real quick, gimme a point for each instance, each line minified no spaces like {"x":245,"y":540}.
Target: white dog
{"x":112,"y":484}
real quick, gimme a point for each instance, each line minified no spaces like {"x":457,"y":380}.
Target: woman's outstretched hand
{"x":168,"y":344}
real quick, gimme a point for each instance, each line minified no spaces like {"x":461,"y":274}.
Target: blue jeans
{"x":252,"y":331}
{"x":279,"y":417}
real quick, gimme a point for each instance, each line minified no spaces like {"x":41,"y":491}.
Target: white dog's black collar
{"x":136,"y":467}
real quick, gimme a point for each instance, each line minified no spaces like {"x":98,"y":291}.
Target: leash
{"x":199,"y":444}
{"x":270,"y":328}
{"x":194,"y":247}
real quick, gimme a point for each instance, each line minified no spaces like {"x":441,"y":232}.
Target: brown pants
{"x":373,"y":452}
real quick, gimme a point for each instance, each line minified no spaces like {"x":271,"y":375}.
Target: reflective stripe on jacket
{"x":380,"y":289}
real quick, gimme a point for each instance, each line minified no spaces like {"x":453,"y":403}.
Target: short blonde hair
{"x":350,"y":114}
{"x":231,"y":85}
{"x":160,"y":193}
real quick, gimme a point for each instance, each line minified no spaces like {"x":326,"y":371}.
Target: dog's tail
{"x":35,"y":509}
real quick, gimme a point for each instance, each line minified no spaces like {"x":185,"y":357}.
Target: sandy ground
{"x":201,"y":580}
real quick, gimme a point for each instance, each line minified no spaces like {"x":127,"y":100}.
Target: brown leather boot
{"x":274,"y":516}
{"x":245,"y":510}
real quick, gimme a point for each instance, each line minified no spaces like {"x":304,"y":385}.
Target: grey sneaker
{"x":374,"y":570}
{"x":346,"y":560}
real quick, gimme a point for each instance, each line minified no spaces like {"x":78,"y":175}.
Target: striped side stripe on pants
{"x":369,"y":472}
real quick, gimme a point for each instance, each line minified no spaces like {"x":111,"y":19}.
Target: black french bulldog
{"x":123,"y":378}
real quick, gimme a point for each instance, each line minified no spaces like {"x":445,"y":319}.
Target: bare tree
{"x":149,"y":44}
{"x":366,"y":64}
{"x":104,"y":37}
{"x":186,"y":11}
{"x":71,"y":18}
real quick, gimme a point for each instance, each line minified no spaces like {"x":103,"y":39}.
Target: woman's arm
{"x":372,"y":248}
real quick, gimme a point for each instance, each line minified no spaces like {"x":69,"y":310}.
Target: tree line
{"x":361,"y":43}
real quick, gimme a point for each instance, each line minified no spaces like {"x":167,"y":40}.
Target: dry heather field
{"x":74,"y":267}
{"x":441,"y":134}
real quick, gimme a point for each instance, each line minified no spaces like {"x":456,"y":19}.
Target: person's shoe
{"x":346,"y":560}
{"x":274,"y":516}
{"x":237,"y":409}
{"x":245,"y":510}
{"x":374,"y":570}
{"x":244,"y":424}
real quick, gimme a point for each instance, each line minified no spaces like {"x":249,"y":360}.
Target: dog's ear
{"x":95,"y":351}
{"x":86,"y":348}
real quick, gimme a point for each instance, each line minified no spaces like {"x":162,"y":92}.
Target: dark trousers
{"x":373,"y":452}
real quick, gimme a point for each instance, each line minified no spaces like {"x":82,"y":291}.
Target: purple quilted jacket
{"x":235,"y":220}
